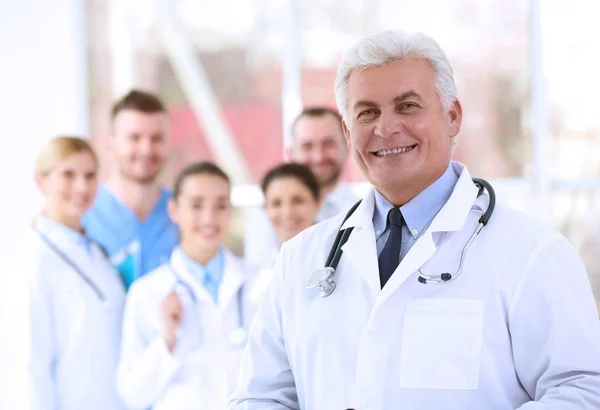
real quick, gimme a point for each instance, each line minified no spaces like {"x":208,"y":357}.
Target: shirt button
{"x":378,"y":233}
{"x":414,"y":232}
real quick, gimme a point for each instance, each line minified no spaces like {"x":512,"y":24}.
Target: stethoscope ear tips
{"x":422,"y":280}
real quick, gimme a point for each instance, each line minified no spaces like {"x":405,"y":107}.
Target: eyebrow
{"x":407,"y":95}
{"x":364,"y":103}
{"x":404,"y":96}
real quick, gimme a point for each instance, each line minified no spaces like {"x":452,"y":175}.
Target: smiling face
{"x":319,"y":144}
{"x":70,"y":188}
{"x":139,"y":144}
{"x":397,"y":130}
{"x":290,"y":206}
{"x":202,"y":211}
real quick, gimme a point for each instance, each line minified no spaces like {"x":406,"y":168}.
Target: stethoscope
{"x":238,"y":336}
{"x":72,"y":264}
{"x":323,"y":278}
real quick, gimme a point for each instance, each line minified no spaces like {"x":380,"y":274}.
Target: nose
{"x":145,"y":146}
{"x":287,"y":210}
{"x":318,"y":153}
{"x":82,"y":185}
{"x":208,"y":216}
{"x":388,"y":124}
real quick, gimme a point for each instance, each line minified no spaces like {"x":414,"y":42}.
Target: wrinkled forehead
{"x":384,"y":83}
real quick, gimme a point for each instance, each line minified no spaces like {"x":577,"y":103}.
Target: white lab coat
{"x":518,"y":329}
{"x":65,"y":339}
{"x":202,"y":370}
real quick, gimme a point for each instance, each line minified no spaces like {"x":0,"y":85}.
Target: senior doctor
{"x":517,"y":329}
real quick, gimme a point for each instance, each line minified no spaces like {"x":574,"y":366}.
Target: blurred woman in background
{"x":66,"y":298}
{"x":292,"y":202}
{"x":292,"y":199}
{"x":185,"y":323}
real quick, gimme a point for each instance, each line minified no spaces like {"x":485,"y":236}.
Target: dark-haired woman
{"x":292,"y":202}
{"x":185,"y":323}
{"x":292,"y":199}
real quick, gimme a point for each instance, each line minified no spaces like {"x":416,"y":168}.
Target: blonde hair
{"x":58,"y":149}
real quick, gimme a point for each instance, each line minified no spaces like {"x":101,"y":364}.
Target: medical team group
{"x":426,"y":294}
{"x":125,"y":295}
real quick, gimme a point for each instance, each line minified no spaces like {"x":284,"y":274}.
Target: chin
{"x":145,"y":177}
{"x":208,"y":242}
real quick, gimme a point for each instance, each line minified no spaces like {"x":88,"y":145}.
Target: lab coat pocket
{"x":441,"y":344}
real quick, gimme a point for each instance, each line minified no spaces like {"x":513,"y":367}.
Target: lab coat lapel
{"x":453,"y":214}
{"x":181,"y":269}
{"x":360,"y":251}
{"x":77,"y":253}
{"x":450,"y":218}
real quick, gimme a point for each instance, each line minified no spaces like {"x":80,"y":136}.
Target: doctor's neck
{"x":201,"y":255}
{"x":401,"y":194}
{"x":139,"y":197}
{"x":65,"y":220}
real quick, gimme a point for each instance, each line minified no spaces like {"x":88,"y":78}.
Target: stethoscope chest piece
{"x":321,"y":278}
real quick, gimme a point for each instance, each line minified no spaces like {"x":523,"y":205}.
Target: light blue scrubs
{"x":134,"y":247}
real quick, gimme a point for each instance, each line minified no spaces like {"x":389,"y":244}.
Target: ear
{"x":455,"y":116}
{"x":172,"y":210}
{"x":40,"y":181}
{"x":346,"y":133}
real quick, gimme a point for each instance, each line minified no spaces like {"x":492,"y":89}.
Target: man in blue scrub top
{"x":129,"y":218}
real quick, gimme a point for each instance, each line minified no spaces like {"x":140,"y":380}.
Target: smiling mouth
{"x":399,"y":150}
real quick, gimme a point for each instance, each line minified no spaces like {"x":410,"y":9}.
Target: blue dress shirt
{"x":209,"y":275}
{"x":417,"y":213}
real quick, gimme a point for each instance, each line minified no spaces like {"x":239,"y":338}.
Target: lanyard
{"x":72,"y":264}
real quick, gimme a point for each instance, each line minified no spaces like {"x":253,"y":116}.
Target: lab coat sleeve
{"x":31,"y":330}
{"x":266,"y":381}
{"x":146,"y":368}
{"x":555,"y":330}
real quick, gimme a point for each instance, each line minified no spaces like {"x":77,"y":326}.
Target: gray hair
{"x":393,"y":45}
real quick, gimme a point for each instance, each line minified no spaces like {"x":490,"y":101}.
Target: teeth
{"x":385,"y":152}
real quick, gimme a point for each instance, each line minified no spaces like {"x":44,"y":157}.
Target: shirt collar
{"x":58,"y":232}
{"x":420,"y":210}
{"x":213,"y":270}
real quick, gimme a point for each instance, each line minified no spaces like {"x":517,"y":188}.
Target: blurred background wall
{"x":235,"y":72}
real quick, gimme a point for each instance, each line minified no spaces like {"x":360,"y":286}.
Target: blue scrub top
{"x":134,"y":247}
